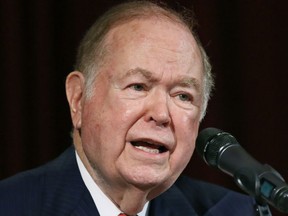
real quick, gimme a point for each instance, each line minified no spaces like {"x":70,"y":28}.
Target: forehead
{"x":163,"y":31}
{"x":156,"y":45}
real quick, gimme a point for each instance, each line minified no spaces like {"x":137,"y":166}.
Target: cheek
{"x":186,"y":126}
{"x":125,"y":113}
{"x":186,"y":134}
{"x":109,"y":122}
{"x":181,"y":157}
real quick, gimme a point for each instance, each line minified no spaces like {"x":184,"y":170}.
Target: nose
{"x":157,"y":110}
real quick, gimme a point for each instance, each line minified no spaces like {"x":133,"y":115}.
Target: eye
{"x":185,"y":97}
{"x":137,"y":87}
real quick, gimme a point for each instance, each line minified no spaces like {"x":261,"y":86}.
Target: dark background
{"x":247,"y":44}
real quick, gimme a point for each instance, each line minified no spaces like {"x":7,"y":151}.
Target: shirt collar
{"x":104,"y":205}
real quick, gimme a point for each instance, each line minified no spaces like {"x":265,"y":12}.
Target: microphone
{"x":221,"y":150}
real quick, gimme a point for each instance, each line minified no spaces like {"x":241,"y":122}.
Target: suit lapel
{"x":65,"y":191}
{"x":86,"y":207}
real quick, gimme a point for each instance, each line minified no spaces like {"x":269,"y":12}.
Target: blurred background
{"x":247,"y":42}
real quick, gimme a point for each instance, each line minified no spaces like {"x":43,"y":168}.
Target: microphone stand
{"x":250,"y":181}
{"x":262,"y":209}
{"x":266,"y":185}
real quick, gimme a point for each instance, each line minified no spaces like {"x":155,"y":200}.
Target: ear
{"x":74,"y":92}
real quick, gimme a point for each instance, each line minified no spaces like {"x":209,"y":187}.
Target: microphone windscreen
{"x":210,"y":142}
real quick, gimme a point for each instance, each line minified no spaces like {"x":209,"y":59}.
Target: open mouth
{"x":149,"y":147}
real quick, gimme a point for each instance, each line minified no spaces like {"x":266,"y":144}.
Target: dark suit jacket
{"x":57,"y":189}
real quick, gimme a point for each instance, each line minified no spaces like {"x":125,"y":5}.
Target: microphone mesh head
{"x":210,"y":143}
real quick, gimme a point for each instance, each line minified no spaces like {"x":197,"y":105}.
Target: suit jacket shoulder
{"x":53,"y":189}
{"x":191,"y":197}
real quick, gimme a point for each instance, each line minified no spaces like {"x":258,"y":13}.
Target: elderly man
{"x":137,"y":96}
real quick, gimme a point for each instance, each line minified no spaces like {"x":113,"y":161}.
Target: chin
{"x":150,"y":180}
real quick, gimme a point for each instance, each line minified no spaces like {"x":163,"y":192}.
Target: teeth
{"x":149,"y":150}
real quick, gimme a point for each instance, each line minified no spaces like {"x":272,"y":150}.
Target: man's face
{"x":140,"y":125}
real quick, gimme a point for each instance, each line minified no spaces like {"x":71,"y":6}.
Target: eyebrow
{"x":145,"y":73}
{"x":190,"y":82}
{"x":183,"y":81}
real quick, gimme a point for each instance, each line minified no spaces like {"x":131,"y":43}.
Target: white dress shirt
{"x":104,"y":205}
